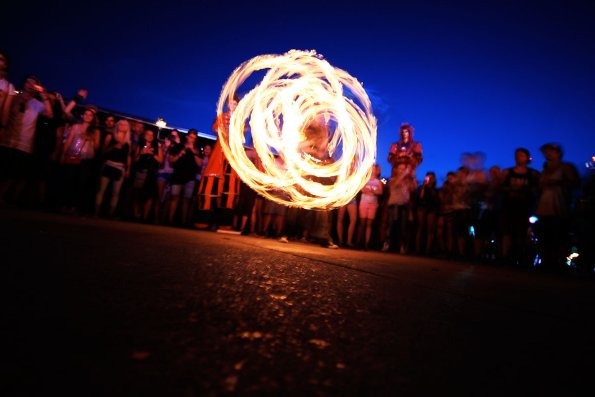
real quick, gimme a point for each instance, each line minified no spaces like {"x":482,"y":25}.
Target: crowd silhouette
{"x":66,"y":156}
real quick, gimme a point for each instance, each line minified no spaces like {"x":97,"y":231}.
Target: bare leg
{"x":352,"y":211}
{"x":280,"y":222}
{"x":368,"y":231}
{"x":185,"y":209}
{"x":103,"y":182}
{"x":266,"y":223}
{"x":173,"y":207}
{"x":340,"y":216}
{"x":147,"y":209}
{"x":158,"y":203}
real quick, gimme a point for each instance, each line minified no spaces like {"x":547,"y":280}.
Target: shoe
{"x":385,"y":247}
{"x":283,"y":240}
{"x":332,"y":245}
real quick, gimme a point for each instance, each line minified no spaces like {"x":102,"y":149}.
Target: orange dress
{"x":219,"y":185}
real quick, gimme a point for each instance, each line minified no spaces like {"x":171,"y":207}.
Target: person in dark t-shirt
{"x":187,"y":163}
{"x":519,"y":187}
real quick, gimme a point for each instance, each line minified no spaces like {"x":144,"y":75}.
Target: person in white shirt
{"x":16,"y":139}
{"x":368,"y":204}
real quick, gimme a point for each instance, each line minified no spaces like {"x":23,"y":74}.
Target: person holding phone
{"x":406,"y":150}
{"x":116,"y":165}
{"x":148,"y":157}
{"x":186,"y":161}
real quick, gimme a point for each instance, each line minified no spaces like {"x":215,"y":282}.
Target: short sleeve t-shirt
{"x":185,"y":169}
{"x":20,"y":130}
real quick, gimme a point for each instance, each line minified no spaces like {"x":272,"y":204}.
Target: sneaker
{"x":385,"y":247}
{"x":283,"y":240}
{"x":332,"y":245}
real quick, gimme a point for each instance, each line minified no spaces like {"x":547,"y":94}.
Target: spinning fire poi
{"x":300,"y":93}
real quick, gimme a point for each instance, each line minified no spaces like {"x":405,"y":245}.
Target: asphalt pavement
{"x":107,"y":308}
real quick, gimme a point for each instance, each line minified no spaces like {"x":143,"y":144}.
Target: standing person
{"x":427,"y":203}
{"x":47,"y":143}
{"x":116,"y":165}
{"x":406,"y":150}
{"x":519,"y":186}
{"x":351,"y":210}
{"x":147,"y":157}
{"x":164,"y":175}
{"x":476,"y":182}
{"x":186,"y":162}
{"x":62,"y":118}
{"x":462,"y":211}
{"x":108,"y":128}
{"x":138,"y":129}
{"x":446,"y":217}
{"x":17,"y":138}
{"x":247,"y":197}
{"x":557,"y":181}
{"x":219,"y":185}
{"x":127,"y":198}
{"x":315,"y":144}
{"x":275,"y":213}
{"x":77,"y":161}
{"x":401,"y":186}
{"x":6,"y":91}
{"x":205,"y":154}
{"x":488,"y":237}
{"x":368,"y":205}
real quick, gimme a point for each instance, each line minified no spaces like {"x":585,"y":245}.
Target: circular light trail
{"x":316,"y":118}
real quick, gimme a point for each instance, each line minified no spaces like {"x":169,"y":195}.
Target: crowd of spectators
{"x":58,"y":155}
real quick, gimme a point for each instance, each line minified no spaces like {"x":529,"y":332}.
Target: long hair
{"x":154,"y":143}
{"x":126,"y":125}
{"x":94,"y":124}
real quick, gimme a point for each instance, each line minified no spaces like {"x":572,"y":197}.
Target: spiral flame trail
{"x":299,"y":88}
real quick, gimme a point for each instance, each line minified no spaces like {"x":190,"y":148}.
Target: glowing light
{"x":570,"y":258}
{"x":160,"y":123}
{"x":533,"y":219}
{"x":300,"y":89}
{"x":537,"y":260}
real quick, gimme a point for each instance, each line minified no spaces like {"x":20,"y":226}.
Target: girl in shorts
{"x":369,"y":204}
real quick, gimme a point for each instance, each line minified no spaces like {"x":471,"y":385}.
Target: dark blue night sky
{"x":470,"y":76}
